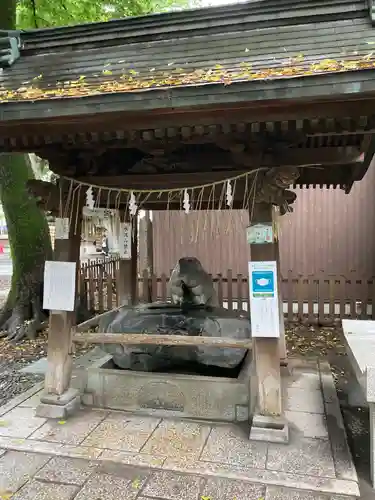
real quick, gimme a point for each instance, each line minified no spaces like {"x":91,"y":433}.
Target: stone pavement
{"x":105,"y":455}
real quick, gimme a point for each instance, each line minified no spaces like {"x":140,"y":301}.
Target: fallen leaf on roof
{"x":131,"y":81}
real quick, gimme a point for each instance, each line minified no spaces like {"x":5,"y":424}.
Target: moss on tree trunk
{"x":7,"y":14}
{"x":29,"y":239}
{"x":30,"y":246}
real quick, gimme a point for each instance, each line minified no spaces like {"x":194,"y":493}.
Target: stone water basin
{"x":226,"y":398}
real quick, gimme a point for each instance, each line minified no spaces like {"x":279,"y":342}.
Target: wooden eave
{"x":78,"y":133}
{"x":354,"y":86}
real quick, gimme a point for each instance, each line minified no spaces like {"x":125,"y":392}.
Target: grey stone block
{"x":17,"y":467}
{"x":74,"y":430}
{"x":280,"y":493}
{"x":310,"y":425}
{"x":270,"y":429}
{"x":58,"y":411}
{"x":311,"y":457}
{"x":35,"y":490}
{"x":230,"y":445}
{"x":107,"y":487}
{"x":226,"y":489}
{"x":370,"y":384}
{"x":59,"y":399}
{"x":174,"y":395}
{"x":174,"y":486}
{"x":66,"y":470}
{"x":37,"y":368}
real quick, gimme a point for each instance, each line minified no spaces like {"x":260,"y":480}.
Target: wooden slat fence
{"x":97,"y":284}
{"x":314,"y":298}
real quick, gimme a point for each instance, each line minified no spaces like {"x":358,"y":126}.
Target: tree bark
{"x":7,"y":14}
{"x":30,"y":246}
{"x":29,"y":238}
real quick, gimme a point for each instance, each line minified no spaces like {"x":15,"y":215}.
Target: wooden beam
{"x":152,"y":339}
{"x":266,"y":351}
{"x":113,"y":123}
{"x":124,"y":282}
{"x":75,"y":164}
{"x":59,"y":399}
{"x":162,"y":181}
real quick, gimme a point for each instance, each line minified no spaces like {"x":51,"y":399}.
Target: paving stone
{"x":66,"y":470}
{"x":35,"y":446}
{"x":229,"y":445}
{"x":38,"y":367}
{"x":279,"y":493}
{"x":304,"y":400}
{"x":310,"y":425}
{"x":302,"y":456}
{"x":16,"y":401}
{"x":2,"y":452}
{"x":345,"y":468}
{"x":34,"y":490}
{"x":173,"y":486}
{"x":226,"y":489}
{"x":16,"y":468}
{"x":20,"y":423}
{"x":177,"y":439}
{"x":264,"y":476}
{"x":107,"y":487}
{"x":73,"y":431}
{"x":135,"y":475}
{"x":32,"y":402}
{"x":304,"y":380}
{"x":80,"y":452}
{"x":126,"y":457}
{"x":121,"y":431}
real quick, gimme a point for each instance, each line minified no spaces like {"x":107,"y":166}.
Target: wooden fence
{"x":313,"y":298}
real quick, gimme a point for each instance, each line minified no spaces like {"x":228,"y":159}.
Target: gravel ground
{"x":15,"y":357}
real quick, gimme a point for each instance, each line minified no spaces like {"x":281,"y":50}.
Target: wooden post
{"x":266,"y":354}
{"x":124,"y":283}
{"x":59,"y":399}
{"x":146,"y":251}
{"x":134,"y":262}
{"x":282,"y":342}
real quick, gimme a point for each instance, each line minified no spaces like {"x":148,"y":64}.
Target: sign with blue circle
{"x":263,"y":283}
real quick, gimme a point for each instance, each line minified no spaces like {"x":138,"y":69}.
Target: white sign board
{"x":125,"y":240}
{"x":264,"y":302}
{"x":101,"y":213}
{"x":259,"y":234}
{"x":62,"y":228}
{"x":59,"y":285}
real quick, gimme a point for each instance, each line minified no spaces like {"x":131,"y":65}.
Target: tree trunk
{"x":29,"y":239}
{"x":30,"y":246}
{"x":7,"y":14}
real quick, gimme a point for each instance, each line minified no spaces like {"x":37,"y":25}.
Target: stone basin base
{"x":169,"y":394}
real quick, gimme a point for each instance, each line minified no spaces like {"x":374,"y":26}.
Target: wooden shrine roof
{"x":209,"y":91}
{"x":259,"y":50}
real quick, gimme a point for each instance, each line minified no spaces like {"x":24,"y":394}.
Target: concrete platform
{"x":122,"y":455}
